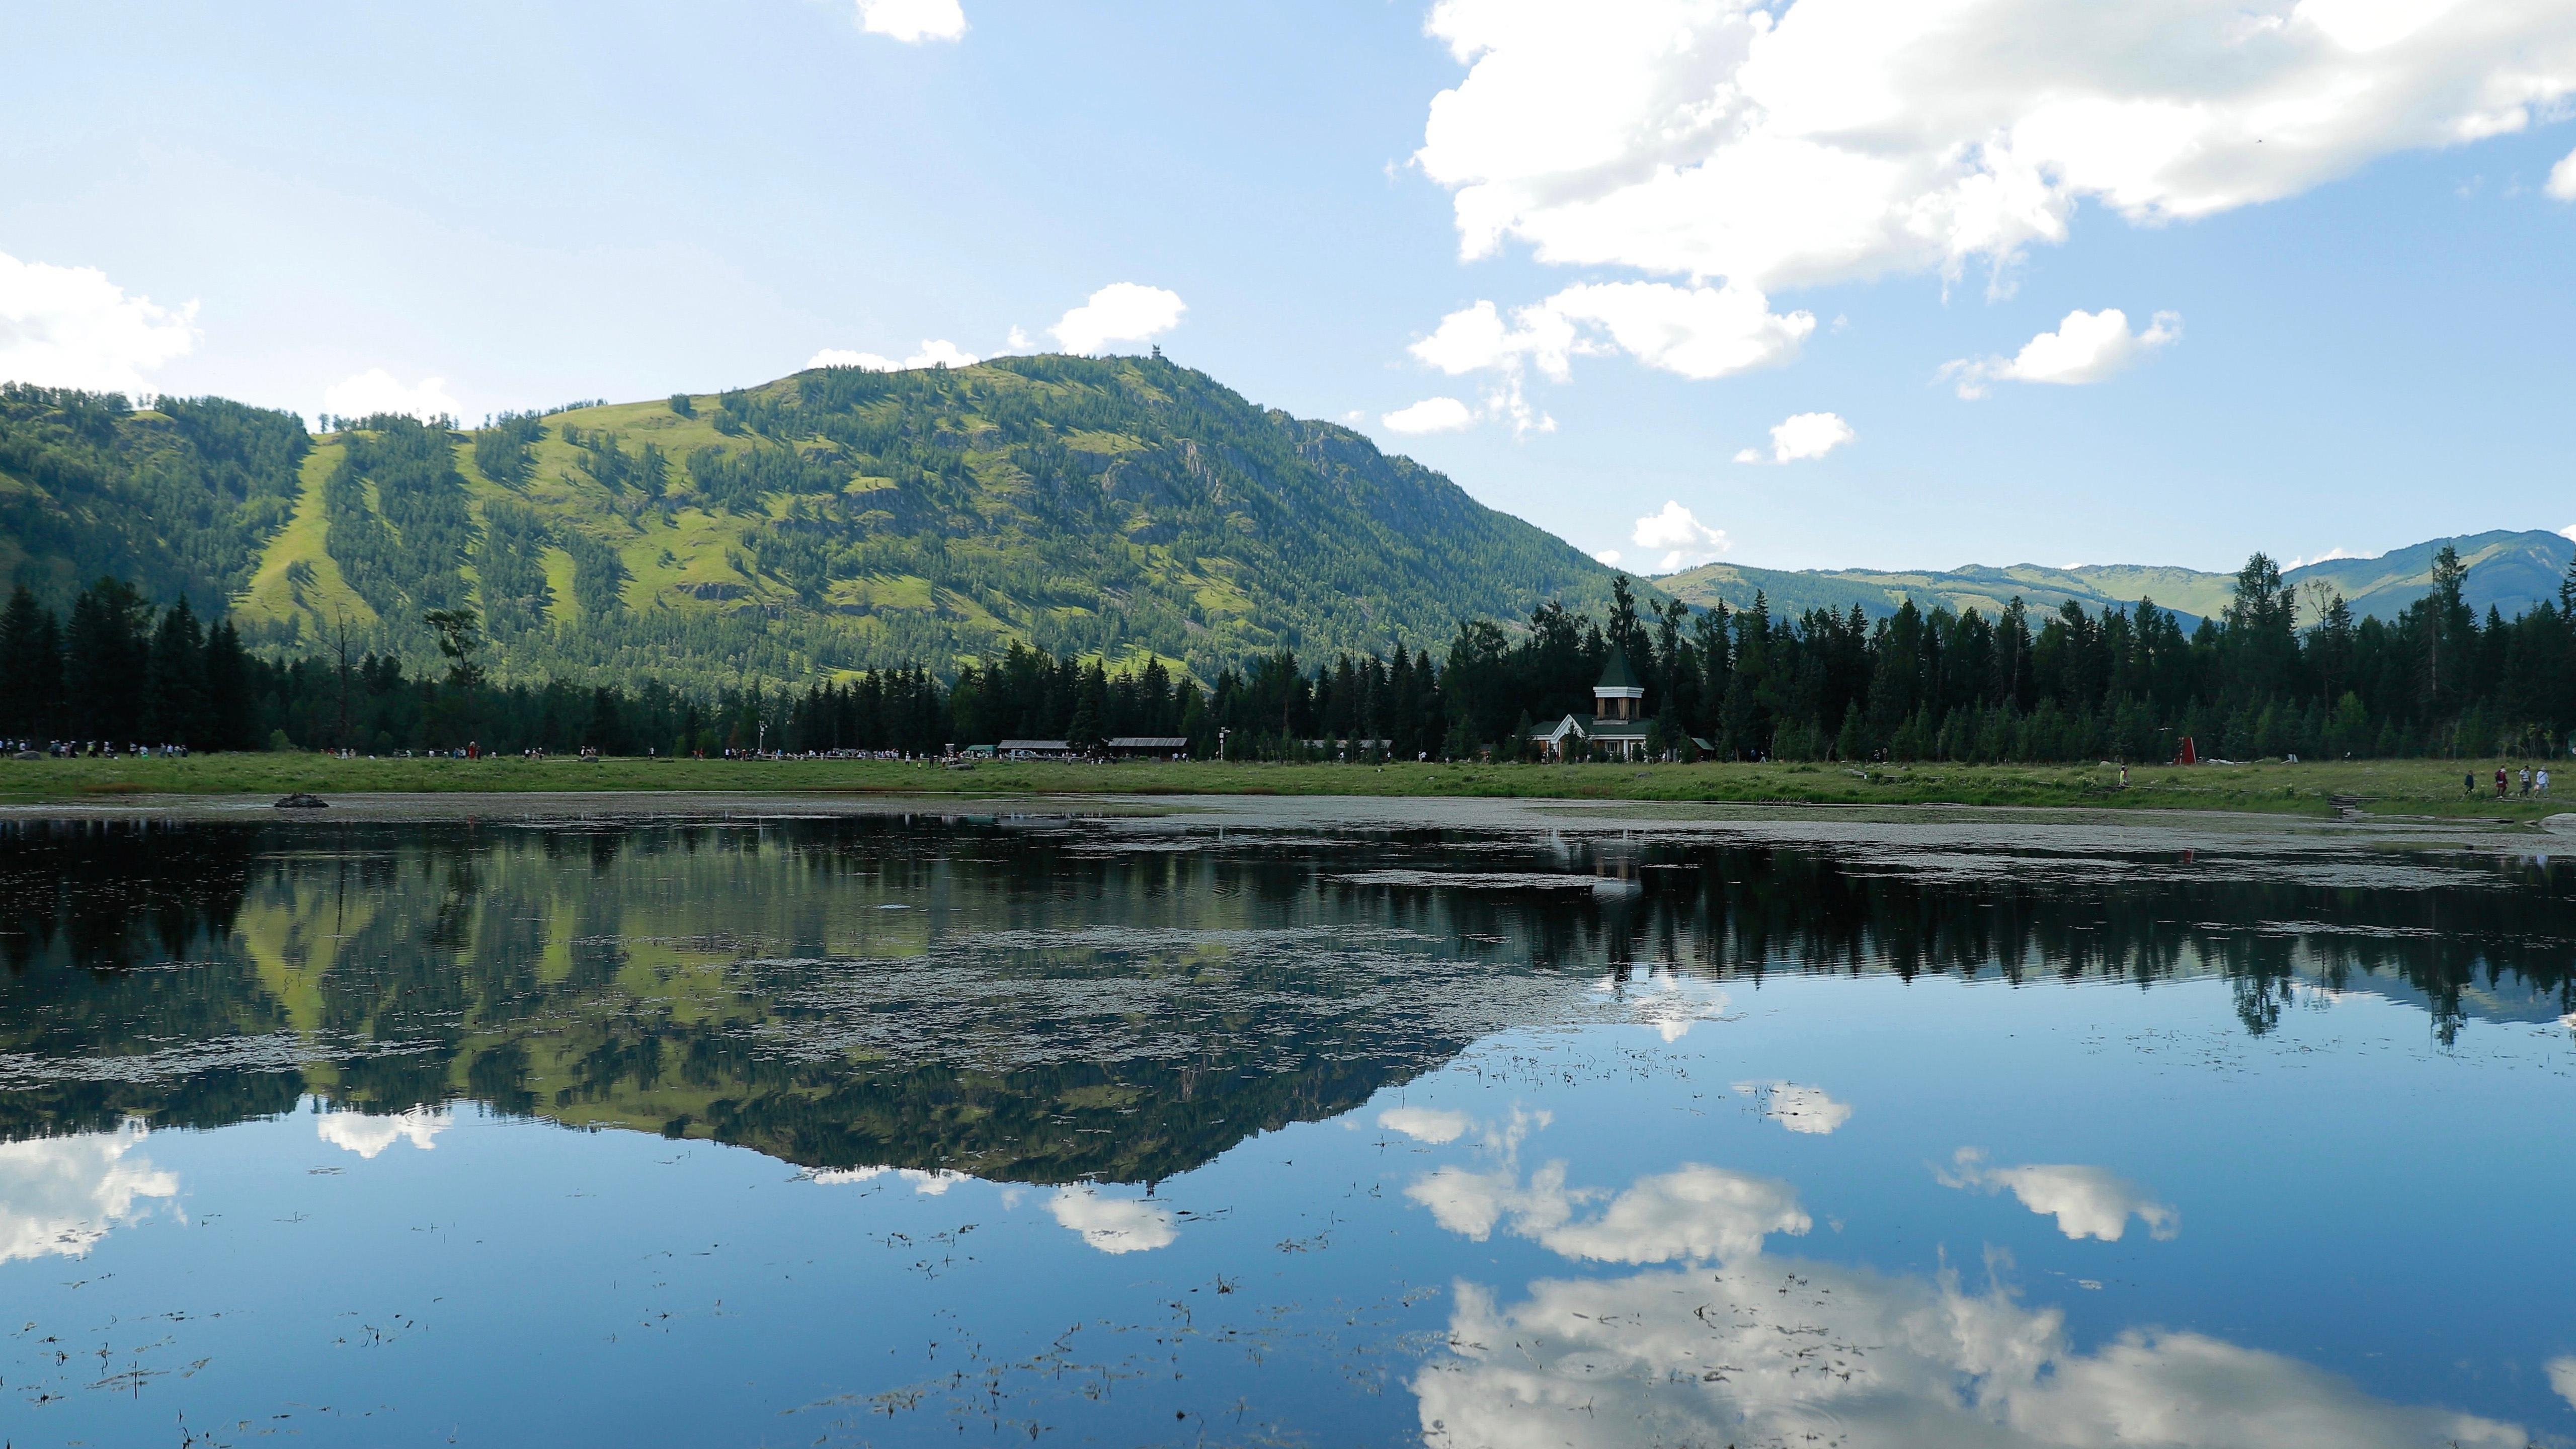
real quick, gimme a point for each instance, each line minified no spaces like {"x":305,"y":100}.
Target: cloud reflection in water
{"x":2088,"y":1202}
{"x":1113,"y":1224}
{"x":60,"y":1195}
{"x":368,"y":1135}
{"x":927,"y":1183}
{"x":1800,"y":1109}
{"x":1774,"y":1351}
{"x":1425,"y":1124}
{"x":1691,"y":1214}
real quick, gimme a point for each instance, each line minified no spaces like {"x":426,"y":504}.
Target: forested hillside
{"x":178,"y":501}
{"x":828,"y":522}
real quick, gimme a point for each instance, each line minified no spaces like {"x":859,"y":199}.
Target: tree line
{"x":2271,"y":675}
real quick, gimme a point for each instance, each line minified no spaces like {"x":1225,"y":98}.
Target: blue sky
{"x":2347,"y":290}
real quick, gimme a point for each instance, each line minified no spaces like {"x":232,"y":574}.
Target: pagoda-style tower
{"x":1618,"y":697}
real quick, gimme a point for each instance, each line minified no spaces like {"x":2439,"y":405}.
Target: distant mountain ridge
{"x":2509,"y":570}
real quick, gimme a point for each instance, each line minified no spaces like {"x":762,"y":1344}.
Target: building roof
{"x":1593,"y":727}
{"x":1615,"y":674}
{"x":1036,"y":746}
{"x":1150,"y":742}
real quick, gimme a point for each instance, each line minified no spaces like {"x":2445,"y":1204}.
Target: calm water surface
{"x":905,"y":1129}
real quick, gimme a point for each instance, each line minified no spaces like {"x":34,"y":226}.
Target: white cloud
{"x":913,"y":21}
{"x":368,"y":1135}
{"x":1609,"y":556}
{"x":1801,"y":438}
{"x":60,"y":1195}
{"x":1683,"y":538}
{"x":1473,"y":339}
{"x":1772,"y":1351}
{"x":1841,"y":139}
{"x":2562,"y":1378}
{"x":2086,"y":347}
{"x":377,"y":391}
{"x":1800,"y":1109}
{"x":2328,"y":556}
{"x":935,"y":352}
{"x":1425,"y":1124}
{"x":2088,"y":1202}
{"x":2562,"y":178}
{"x":1431,"y":415}
{"x":72,"y":327}
{"x":1698,"y":332}
{"x":1119,"y":312}
{"x":1112,"y":1224}
{"x":1694,"y":1213}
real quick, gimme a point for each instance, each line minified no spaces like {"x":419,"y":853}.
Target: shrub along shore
{"x":2384,"y":788}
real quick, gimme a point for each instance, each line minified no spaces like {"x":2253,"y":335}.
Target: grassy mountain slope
{"x":828,"y":521}
{"x":2510,"y":570}
{"x":842,"y":519}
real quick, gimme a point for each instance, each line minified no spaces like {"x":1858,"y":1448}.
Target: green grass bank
{"x":2389,"y":787}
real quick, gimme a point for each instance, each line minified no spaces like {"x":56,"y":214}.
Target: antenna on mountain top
{"x":1158,"y":352}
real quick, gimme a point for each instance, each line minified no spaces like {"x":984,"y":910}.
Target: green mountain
{"x":830,"y":521}
{"x":2510,"y":570}
{"x":840,"y":519}
{"x":180,"y":500}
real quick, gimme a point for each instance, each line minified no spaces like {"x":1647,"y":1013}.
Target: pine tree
{"x":232,"y":714}
{"x":31,"y":668}
{"x":1090,"y":708}
{"x":174,"y":685}
{"x":106,"y":656}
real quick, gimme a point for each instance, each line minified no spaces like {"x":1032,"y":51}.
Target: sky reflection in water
{"x":1148,"y":1132}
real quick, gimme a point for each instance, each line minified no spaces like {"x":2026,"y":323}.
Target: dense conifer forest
{"x":2266,"y":679}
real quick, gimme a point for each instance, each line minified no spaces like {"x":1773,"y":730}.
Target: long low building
{"x":1034,"y":750}
{"x":1146,"y":746}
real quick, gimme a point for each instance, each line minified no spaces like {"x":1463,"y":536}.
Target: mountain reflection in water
{"x":1056,"y":1000}
{"x":1184,"y":1131}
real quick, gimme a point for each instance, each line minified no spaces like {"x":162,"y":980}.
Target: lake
{"x":1391,"y":1122}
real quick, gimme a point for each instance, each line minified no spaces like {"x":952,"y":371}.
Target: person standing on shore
{"x":2499,"y":782}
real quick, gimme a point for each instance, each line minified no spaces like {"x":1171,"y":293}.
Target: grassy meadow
{"x":2378,"y":787}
